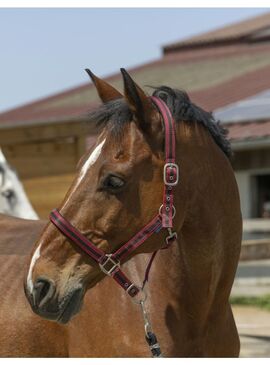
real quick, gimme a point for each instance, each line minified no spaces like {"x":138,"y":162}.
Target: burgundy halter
{"x":110,"y":263}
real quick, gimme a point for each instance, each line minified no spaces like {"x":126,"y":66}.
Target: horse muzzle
{"x":45,"y":301}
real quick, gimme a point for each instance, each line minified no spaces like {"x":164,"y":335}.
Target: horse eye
{"x":8,"y":194}
{"x":113,"y":182}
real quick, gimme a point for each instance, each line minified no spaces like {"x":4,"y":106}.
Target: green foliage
{"x":261,"y":302}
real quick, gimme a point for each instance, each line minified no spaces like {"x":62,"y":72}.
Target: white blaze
{"x":32,"y":264}
{"x":91,"y":159}
{"x":88,"y":163}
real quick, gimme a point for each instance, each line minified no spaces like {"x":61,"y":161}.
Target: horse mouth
{"x":71,"y":306}
{"x":60,"y":312}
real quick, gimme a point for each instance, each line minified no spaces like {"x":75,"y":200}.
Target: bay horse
{"x":118,"y":189}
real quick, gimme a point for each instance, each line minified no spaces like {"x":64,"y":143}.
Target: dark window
{"x":263,"y":196}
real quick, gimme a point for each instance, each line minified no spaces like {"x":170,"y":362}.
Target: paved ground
{"x":252,"y":278}
{"x":254,"y":328}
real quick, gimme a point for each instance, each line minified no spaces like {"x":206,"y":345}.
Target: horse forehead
{"x":127,"y":143}
{"x":126,"y":147}
{"x":92,"y":158}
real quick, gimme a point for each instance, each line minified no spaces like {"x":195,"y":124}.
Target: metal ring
{"x":141,"y":292}
{"x":173,"y":208}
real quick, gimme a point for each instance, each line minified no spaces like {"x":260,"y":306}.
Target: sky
{"x":44,"y":51}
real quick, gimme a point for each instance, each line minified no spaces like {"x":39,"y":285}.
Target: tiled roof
{"x":244,"y":31}
{"x":255,"y":107}
{"x":238,"y":88}
{"x":212,"y":79}
{"x":249,"y":130}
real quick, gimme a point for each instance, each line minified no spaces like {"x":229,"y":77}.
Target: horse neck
{"x":207,"y":186}
{"x":202,"y":264}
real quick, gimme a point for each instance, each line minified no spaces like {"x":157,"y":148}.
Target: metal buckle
{"x":171,"y":237}
{"x":170,"y":165}
{"x":109,"y":260}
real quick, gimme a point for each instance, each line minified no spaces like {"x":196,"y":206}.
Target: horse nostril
{"x":43,"y":291}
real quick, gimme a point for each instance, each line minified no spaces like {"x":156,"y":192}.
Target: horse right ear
{"x":105,"y":91}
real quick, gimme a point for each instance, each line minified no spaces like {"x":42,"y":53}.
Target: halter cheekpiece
{"x":110,"y":263}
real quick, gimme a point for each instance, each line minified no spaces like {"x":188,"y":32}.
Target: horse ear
{"x":139,"y":103}
{"x":105,"y":91}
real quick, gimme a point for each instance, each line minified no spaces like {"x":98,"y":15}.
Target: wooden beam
{"x":48,"y":131}
{"x":251,"y":159}
{"x":46,"y":193}
{"x":43,"y":158}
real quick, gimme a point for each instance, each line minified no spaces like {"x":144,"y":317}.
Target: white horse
{"x":13,"y":199}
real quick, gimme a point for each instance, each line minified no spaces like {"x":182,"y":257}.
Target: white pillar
{"x":243,"y":179}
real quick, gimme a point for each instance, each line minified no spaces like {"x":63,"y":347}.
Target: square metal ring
{"x":111,"y":261}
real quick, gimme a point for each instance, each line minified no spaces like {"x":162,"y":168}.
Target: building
{"x":226,"y":71}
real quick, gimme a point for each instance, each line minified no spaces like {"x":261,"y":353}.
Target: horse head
{"x":8,"y":198}
{"x":13,"y":200}
{"x":117,"y":190}
{"x":6,"y":195}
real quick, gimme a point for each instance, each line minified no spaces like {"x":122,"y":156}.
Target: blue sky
{"x":44,"y":51}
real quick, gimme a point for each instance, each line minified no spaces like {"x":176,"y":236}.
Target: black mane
{"x":115,"y":114}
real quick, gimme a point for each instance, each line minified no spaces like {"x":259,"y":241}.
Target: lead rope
{"x":151,"y":338}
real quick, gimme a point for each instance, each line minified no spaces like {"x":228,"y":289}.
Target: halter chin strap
{"x":110,"y":263}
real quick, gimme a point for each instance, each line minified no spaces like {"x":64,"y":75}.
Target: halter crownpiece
{"x":110,"y":263}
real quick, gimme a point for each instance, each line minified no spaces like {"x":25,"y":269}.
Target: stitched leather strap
{"x":170,"y":169}
{"x":110,"y":263}
{"x":137,"y":240}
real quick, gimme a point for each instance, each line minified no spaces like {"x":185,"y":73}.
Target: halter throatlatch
{"x":110,"y":263}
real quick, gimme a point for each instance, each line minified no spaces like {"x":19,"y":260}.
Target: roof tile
{"x":249,"y":130}
{"x":232,"y":32}
{"x":203,"y":77}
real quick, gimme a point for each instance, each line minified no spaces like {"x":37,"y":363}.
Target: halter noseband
{"x":110,"y":263}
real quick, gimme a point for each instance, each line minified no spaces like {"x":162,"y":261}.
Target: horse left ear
{"x":105,"y":91}
{"x":139,"y":103}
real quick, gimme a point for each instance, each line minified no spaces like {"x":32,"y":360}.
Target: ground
{"x":254,"y":328}
{"x":253,"y":323}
